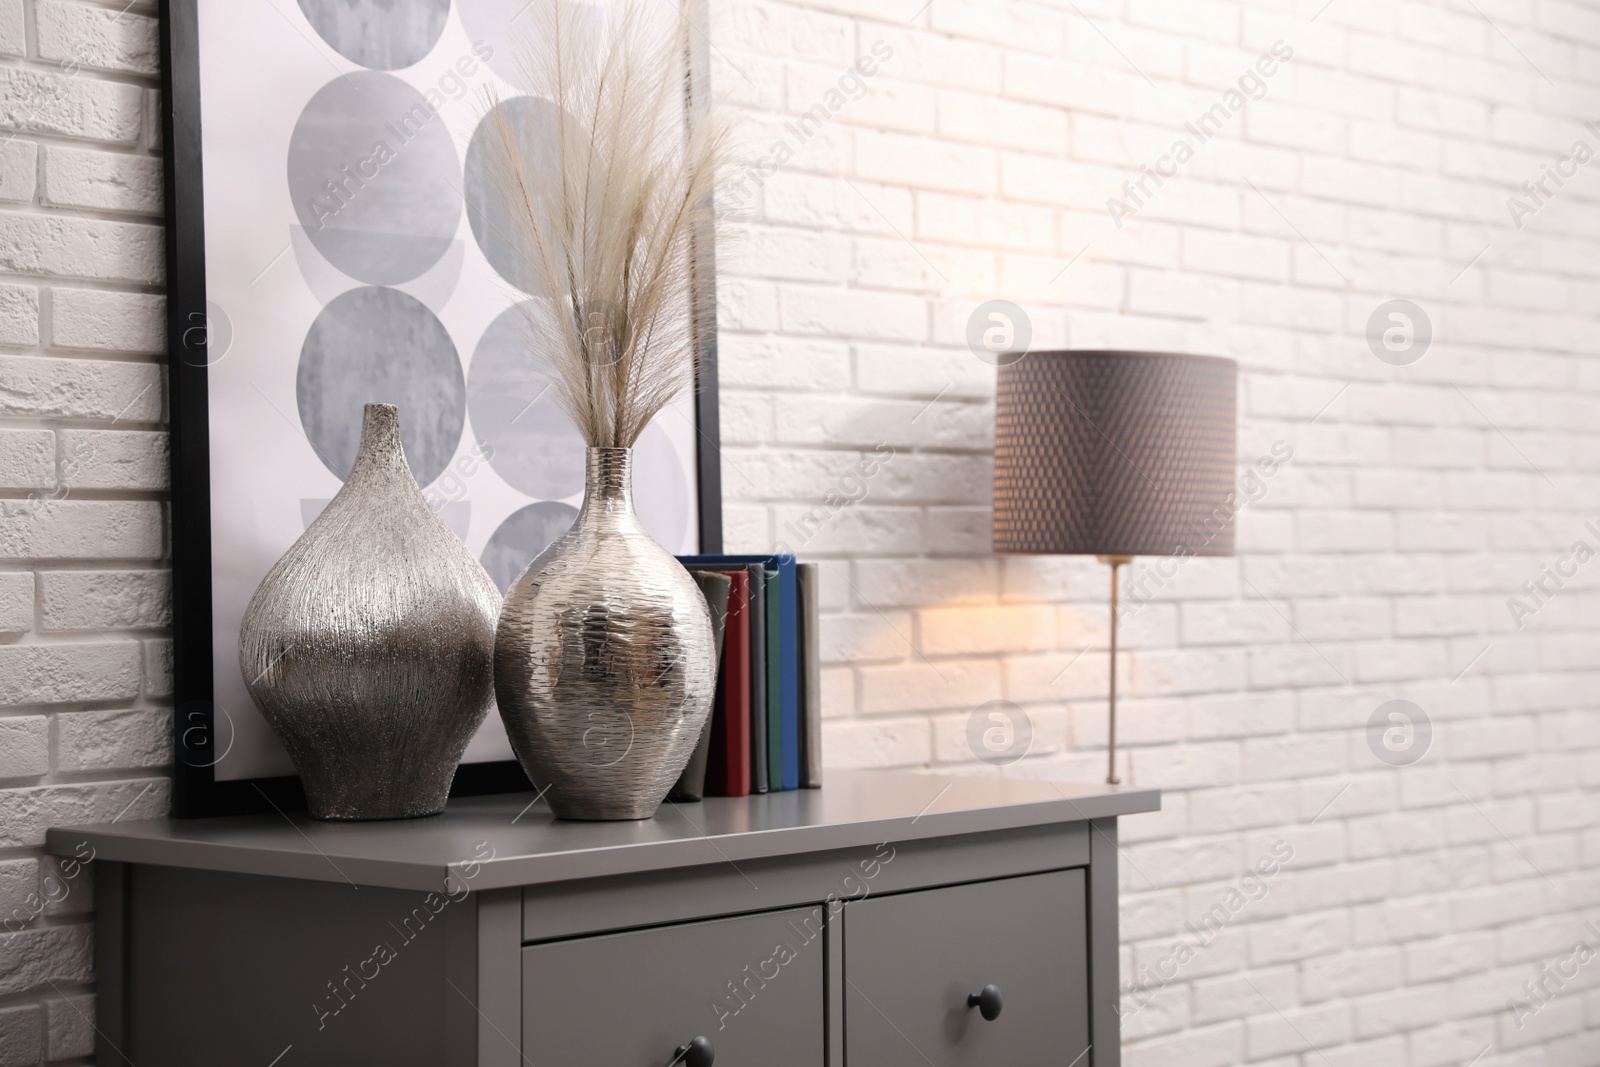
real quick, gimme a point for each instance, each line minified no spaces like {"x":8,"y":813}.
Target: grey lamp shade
{"x":1115,"y":454}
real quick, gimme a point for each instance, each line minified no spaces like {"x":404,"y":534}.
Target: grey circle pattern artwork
{"x":374,"y":345}
{"x":505,"y":25}
{"x":378,"y":34}
{"x":498,"y":23}
{"x":533,"y":123}
{"x":526,"y":533}
{"x":660,"y":488}
{"x":374,"y":177}
{"x":529,"y":439}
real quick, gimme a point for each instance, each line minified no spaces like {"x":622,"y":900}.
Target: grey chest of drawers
{"x":888,"y":919}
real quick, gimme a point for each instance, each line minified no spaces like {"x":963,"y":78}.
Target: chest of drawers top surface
{"x":510,"y":840}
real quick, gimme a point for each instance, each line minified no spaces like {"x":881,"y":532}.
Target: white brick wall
{"x":1377,"y":565}
{"x":84,"y":599}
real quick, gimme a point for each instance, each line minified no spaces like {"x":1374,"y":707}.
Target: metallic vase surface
{"x":604,"y":662}
{"x":369,"y":647}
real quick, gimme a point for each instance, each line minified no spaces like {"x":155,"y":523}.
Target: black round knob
{"x":698,"y":1053}
{"x":987,"y":1002}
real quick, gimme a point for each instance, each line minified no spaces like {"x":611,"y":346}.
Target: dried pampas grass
{"x":609,"y":210}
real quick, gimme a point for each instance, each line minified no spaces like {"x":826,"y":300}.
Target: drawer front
{"x":911,"y":961}
{"x":752,"y":985}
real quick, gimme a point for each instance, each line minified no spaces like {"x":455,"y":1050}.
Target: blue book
{"x":788,"y":665}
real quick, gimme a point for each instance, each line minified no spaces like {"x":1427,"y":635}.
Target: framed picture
{"x":333,"y":240}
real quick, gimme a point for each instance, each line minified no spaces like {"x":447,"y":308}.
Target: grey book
{"x":809,"y":588}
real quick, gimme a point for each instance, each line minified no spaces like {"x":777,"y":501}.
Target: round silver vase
{"x":604,"y":666}
{"x":369,"y":647}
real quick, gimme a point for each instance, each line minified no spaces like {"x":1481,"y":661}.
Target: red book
{"x":728,"y":769}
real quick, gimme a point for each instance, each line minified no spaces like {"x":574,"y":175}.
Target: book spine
{"x":790,"y":670}
{"x":775,"y":682}
{"x":729,"y":774}
{"x":756,"y":700}
{"x":809,"y":583}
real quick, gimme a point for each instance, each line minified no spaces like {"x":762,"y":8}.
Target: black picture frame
{"x":196,"y":792}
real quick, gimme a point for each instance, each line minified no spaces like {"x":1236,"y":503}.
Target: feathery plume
{"x":605,"y":190}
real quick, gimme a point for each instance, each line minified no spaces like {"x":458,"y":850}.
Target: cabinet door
{"x":912,"y":960}
{"x":752,"y":986}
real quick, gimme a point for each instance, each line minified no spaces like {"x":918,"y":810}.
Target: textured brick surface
{"x":96,"y":320}
{"x":113,"y":600}
{"x":80,"y":529}
{"x":27,"y":459}
{"x":31,"y":387}
{"x":24,"y":746}
{"x":114,"y":459}
{"x":105,"y":38}
{"x":57,"y":101}
{"x":19,"y":313}
{"x":18,"y":171}
{"x":101,"y":181}
{"x":1386,"y":513}
{"x":69,"y":1027}
{"x":54,"y":674}
{"x":85,"y":660}
{"x":16,"y":603}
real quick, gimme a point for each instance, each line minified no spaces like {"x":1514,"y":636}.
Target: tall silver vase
{"x":369,"y":646}
{"x":604,"y":665}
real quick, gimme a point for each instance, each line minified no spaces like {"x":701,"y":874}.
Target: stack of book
{"x":766,"y":727}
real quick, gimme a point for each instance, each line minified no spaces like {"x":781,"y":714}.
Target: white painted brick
{"x":928,"y":686}
{"x":27,"y":459}
{"x":849,"y":313}
{"x":19,"y":316}
{"x":1030,"y":26}
{"x":24,"y":746}
{"x":19,"y":885}
{"x":926,"y":163}
{"x":878,"y":743}
{"x":81,"y":248}
{"x":101,"y":181}
{"x":97,"y":320}
{"x":13,"y":29}
{"x":133,"y":739}
{"x":864,"y":637}
{"x":113,"y":459}
{"x":94,"y":600}
{"x":102,"y":38}
{"x":1188,"y":766}
{"x":18,"y":171}
{"x":987,"y":120}
{"x":69,"y":1026}
{"x":32,"y":387}
{"x":81,"y":529}
{"x":60,"y":103}
{"x":53,"y":674}
{"x":25,"y":815}
{"x":779,"y":363}
{"x":21,"y":1035}
{"x":16,"y":603}
{"x":965,"y":631}
{"x":158,"y":667}
{"x":1216,"y":1046}
{"x":1291,"y":1030}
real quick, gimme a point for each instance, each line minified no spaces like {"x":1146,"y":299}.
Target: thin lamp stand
{"x":1111,"y":743}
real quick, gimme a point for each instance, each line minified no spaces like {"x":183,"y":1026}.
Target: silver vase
{"x":369,"y":647}
{"x":604,"y":665}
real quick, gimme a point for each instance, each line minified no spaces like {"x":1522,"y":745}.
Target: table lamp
{"x":1115,"y":455}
